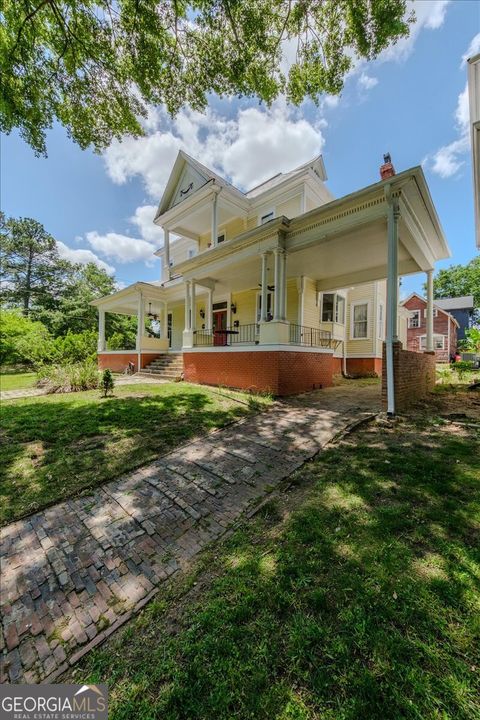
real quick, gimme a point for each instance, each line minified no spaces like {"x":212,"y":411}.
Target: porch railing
{"x":312,"y":337}
{"x":241,"y":335}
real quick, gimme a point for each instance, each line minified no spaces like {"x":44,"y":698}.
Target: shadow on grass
{"x":53,"y":447}
{"x":361,"y":604}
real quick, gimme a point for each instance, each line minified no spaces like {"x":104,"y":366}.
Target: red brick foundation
{"x":359,"y":367}
{"x":278,"y":372}
{"x":364,"y":367}
{"x":414,"y":376}
{"x":117,"y":362}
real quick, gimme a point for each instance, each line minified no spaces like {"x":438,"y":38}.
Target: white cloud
{"x":248,"y":148}
{"x":436,"y":15}
{"x":448,"y":160}
{"x":367,"y":82}
{"x":143,"y":219}
{"x":429,"y":14}
{"x":123,"y":248}
{"x":82,"y":256}
{"x":473,"y":49}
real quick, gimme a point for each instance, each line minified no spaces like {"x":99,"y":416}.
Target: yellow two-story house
{"x":277,"y":288}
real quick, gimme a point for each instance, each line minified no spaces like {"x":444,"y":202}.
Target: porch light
{"x":202,"y":313}
{"x":233,"y":308}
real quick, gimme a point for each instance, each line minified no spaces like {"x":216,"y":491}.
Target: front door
{"x":219,"y":323}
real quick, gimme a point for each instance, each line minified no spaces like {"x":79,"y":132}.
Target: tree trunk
{"x":28,"y":279}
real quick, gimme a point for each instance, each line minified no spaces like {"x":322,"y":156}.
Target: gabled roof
{"x":316,"y":165}
{"x":435,"y":304}
{"x":182,"y":160}
{"x":465,"y":302}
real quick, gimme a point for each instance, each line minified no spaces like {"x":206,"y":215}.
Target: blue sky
{"x":410,"y":102}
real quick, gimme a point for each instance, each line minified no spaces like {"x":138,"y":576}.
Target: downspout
{"x":392,"y":292}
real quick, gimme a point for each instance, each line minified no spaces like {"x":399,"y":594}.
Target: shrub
{"x":444,"y":374}
{"x":107,"y":383}
{"x":23,"y":341}
{"x":75,"y":347}
{"x":69,"y":378}
{"x":462,"y":367}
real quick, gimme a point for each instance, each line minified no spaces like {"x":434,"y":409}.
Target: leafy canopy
{"x":459,"y":280}
{"x":96,"y":65}
{"x":32,"y":272}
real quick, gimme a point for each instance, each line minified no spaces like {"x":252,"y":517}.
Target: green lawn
{"x":17,"y":381}
{"x":355,"y":596}
{"x":53,"y":447}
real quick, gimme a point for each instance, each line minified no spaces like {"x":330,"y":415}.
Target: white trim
{"x":364,"y":355}
{"x":380,"y":321}
{"x":260,"y":348}
{"x":435,"y":338}
{"x":369,"y":319}
{"x":130,"y":352}
{"x":258,"y":295}
{"x":415,"y":327}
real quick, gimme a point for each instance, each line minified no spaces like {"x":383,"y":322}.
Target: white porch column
{"x":209,"y":310}
{"x":283,"y":286}
{"x":277,"y":254}
{"x":392,"y":295}
{"x":140,"y":322}
{"x":187,"y":305}
{"x":264,"y":290}
{"x":193,"y":306}
{"x":101,"y":330}
{"x":430,"y":347}
{"x":166,"y":255}
{"x":214,"y":236}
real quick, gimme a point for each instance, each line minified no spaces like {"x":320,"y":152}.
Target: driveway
{"x":73,"y":573}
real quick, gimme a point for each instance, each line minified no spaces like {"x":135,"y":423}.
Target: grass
{"x":17,"y":381}
{"x":355,"y":596}
{"x":53,"y":447}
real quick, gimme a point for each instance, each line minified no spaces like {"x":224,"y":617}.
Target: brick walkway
{"x":75,"y":572}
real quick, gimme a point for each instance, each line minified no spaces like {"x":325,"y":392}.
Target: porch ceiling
{"x":341,"y":244}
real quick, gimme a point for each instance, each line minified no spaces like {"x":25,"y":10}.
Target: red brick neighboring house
{"x":444,"y":328}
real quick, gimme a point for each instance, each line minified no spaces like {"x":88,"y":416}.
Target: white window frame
{"x":435,"y":312}
{"x":418,"y":315}
{"x":263,"y":215}
{"x":436,"y":337}
{"x":380,"y":321}
{"x":336,"y":295}
{"x":353,"y":305}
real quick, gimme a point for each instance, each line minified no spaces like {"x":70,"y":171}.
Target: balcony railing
{"x":241,"y":335}
{"x":312,"y":337}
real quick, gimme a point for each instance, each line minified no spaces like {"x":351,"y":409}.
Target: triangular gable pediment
{"x":190,"y":181}
{"x":187,"y":177}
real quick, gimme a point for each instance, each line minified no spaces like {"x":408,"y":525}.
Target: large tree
{"x":32,"y":273}
{"x":96,"y":65}
{"x":458,"y":280}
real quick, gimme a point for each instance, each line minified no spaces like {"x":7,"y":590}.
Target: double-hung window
{"x":333,"y":308}
{"x":360,"y":321}
{"x":415,"y":319}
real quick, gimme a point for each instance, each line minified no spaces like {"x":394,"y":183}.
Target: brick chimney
{"x":387,"y":170}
